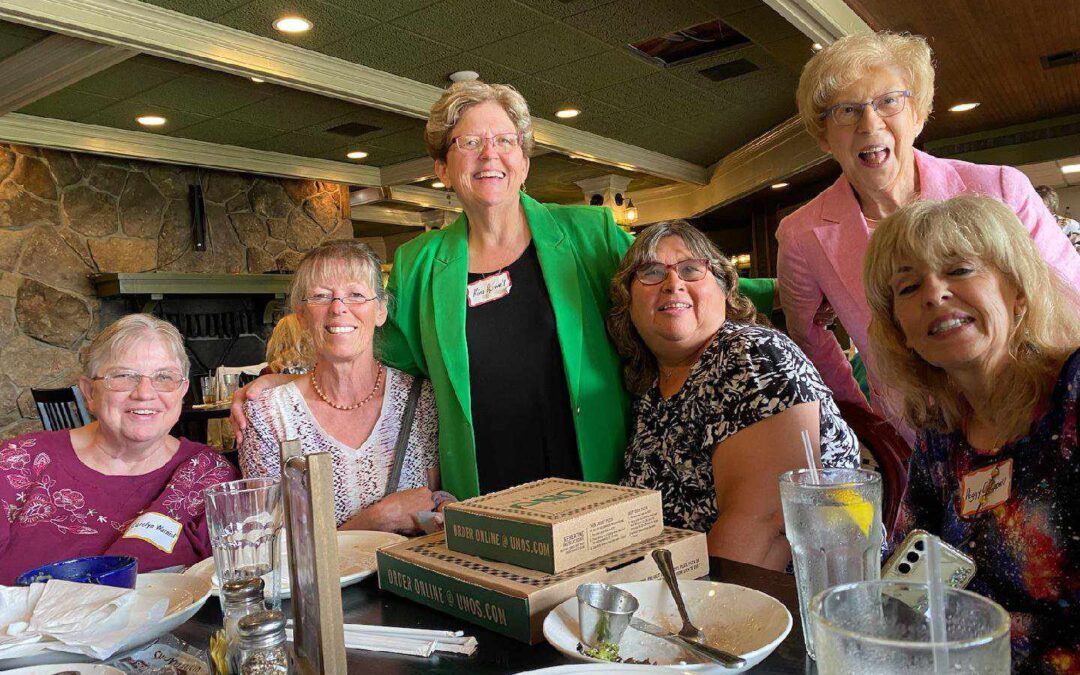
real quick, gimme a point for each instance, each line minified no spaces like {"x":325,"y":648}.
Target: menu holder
{"x":318,"y":623}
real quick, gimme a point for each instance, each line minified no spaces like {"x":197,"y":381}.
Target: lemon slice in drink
{"x":858,"y":509}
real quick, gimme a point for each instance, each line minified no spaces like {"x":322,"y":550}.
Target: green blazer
{"x":579,"y":249}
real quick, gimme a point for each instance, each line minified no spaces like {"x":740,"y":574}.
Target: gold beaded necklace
{"x":336,"y":406}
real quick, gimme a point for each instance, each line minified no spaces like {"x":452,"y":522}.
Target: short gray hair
{"x":337,"y":260}
{"x":461,"y":96}
{"x":129,"y":330}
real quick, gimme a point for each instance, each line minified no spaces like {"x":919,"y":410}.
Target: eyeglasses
{"x":886,"y":105}
{"x":652,"y":273}
{"x":323,"y":299}
{"x":162,"y":380}
{"x":503,"y":143}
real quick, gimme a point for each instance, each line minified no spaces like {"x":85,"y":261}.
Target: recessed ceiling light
{"x":356,"y":154}
{"x":1071,"y":168}
{"x":778,"y":186}
{"x":567,"y":112}
{"x":257,"y":80}
{"x":816,"y":47}
{"x":963,"y":107}
{"x":438,"y":184}
{"x":292,"y":24}
{"x":150,"y":120}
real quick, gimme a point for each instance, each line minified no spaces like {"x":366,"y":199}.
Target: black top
{"x":521,"y":413}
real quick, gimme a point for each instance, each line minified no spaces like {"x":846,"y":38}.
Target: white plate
{"x":356,"y":558}
{"x":186,"y":596}
{"x":81,"y":668}
{"x":600,"y":669}
{"x":740,"y":620}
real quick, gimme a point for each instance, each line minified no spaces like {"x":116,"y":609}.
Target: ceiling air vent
{"x":1060,"y":59}
{"x":691,"y":43}
{"x":726,"y":71}
{"x":352,"y":129}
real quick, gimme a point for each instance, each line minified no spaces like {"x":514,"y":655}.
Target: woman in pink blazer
{"x":866,"y":98}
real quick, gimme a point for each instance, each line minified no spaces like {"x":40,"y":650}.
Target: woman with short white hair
{"x":120,"y":485}
{"x":865,"y":99}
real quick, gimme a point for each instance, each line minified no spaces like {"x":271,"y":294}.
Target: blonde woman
{"x":866,"y":98}
{"x":981,"y":342}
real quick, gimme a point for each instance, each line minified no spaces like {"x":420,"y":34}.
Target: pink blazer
{"x":822,"y":246}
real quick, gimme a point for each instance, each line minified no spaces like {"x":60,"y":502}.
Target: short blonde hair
{"x":127,"y":331}
{"x":339,"y":260}
{"x":289,"y":345}
{"x":850,"y":58}
{"x":970,"y":227}
{"x":461,"y":96}
{"x":640,"y":368}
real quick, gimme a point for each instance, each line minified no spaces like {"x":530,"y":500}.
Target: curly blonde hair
{"x":289,"y":345}
{"x":461,"y":96}
{"x":640,"y":369}
{"x":968,"y":227}
{"x":850,"y":58}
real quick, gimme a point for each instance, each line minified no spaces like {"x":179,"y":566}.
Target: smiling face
{"x":144,"y":415}
{"x":487,"y":178}
{"x":875,"y":153}
{"x":676,"y":316}
{"x":958,"y":318}
{"x":341,"y":332}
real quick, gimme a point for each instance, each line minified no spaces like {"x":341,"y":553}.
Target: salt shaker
{"x":240,"y":598}
{"x":262,"y":644}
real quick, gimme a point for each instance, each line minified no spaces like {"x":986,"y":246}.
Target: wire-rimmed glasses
{"x":323,"y":299}
{"x":502,"y":143}
{"x":691,"y":269}
{"x":129,"y":380}
{"x":885,"y":105}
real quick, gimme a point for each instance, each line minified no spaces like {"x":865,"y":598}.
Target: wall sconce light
{"x":631,"y":212}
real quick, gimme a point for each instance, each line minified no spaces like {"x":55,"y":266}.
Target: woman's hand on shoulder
{"x":257,"y":389}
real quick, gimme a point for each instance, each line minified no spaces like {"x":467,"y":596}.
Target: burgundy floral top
{"x":54,"y":507}
{"x":1026,"y":542}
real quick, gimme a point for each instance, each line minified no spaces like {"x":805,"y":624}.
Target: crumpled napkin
{"x":16,"y":608}
{"x":79,"y":618}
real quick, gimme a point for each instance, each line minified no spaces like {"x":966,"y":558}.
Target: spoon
{"x":662,"y":556}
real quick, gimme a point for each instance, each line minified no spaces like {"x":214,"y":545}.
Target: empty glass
{"x":227,"y":386}
{"x":880,"y":627}
{"x":832,"y":518}
{"x":206,"y":386}
{"x":244,"y":518}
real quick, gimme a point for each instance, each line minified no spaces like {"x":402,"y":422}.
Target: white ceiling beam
{"x":388,"y":216}
{"x":412,"y":171}
{"x":49,"y":65}
{"x":407,"y":194}
{"x":64,"y":135}
{"x":782,"y":152}
{"x":823,"y":21}
{"x":369,"y":195}
{"x":162,"y":32}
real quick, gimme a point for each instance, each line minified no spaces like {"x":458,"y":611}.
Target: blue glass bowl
{"x":107,"y":570}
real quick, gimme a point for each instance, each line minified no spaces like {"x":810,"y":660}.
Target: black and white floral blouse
{"x":748,"y":373}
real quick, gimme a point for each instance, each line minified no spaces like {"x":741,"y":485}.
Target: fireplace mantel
{"x":157,"y":285}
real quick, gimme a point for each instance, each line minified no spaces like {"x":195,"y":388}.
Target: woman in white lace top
{"x":349,"y":405}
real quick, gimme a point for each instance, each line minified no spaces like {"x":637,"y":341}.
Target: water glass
{"x":880,"y":627}
{"x":230,"y":382}
{"x":832,"y":518}
{"x":244,"y":518}
{"x":206,"y":386}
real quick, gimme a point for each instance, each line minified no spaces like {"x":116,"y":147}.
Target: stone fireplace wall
{"x":64,"y":216}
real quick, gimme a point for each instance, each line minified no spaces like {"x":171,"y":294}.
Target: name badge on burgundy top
{"x":489,"y":289}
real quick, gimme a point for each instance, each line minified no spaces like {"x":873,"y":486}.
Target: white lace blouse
{"x":360,"y":474}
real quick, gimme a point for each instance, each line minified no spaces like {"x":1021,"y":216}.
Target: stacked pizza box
{"x":506,"y":559}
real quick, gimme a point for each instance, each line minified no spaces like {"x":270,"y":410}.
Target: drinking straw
{"x":815,"y":476}
{"x":938,"y":638}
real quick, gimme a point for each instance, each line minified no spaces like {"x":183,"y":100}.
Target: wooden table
{"x":499,"y":655}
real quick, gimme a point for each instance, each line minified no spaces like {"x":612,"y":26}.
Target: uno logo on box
{"x":559,"y":496}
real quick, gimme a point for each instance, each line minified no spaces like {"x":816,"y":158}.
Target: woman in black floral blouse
{"x":720,"y":400}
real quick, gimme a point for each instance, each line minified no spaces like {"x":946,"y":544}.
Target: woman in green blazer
{"x":504,"y":310}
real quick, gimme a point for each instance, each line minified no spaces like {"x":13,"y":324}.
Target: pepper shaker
{"x":262,"y":644}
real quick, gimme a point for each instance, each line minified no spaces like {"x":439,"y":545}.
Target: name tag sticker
{"x":156,"y":529}
{"x":986,"y":488}
{"x":489,"y":289}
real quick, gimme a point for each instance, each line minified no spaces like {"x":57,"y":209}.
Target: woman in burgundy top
{"x":121,"y":484}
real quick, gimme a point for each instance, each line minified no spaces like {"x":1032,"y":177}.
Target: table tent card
{"x":318,"y":633}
